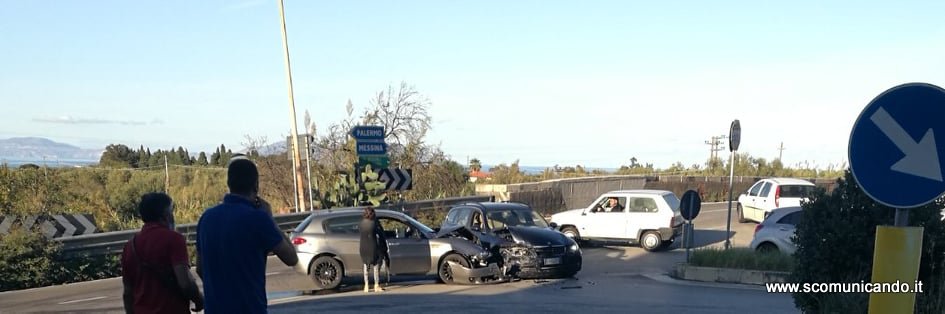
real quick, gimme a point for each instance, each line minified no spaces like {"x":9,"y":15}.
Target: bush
{"x":835,"y":244}
{"x":29,"y":260}
{"x":742,"y":258}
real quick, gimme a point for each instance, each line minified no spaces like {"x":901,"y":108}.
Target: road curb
{"x":728,"y":275}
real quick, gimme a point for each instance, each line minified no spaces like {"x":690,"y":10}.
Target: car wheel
{"x":767,"y":247}
{"x":445,"y":274}
{"x":651,"y":241}
{"x":326,"y":272}
{"x":741,"y":214}
{"x":571,"y":232}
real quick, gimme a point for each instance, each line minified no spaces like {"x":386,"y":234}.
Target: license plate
{"x":553,"y":261}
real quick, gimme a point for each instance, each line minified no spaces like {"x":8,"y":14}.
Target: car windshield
{"x":796,"y":190}
{"x":504,"y":218}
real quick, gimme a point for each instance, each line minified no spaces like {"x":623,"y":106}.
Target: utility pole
{"x":297,"y":160}
{"x":715,"y":143}
{"x":781,"y":151}
{"x":167,"y":177}
{"x":308,"y":165}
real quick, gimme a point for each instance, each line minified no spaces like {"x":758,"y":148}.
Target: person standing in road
{"x":155,"y":268}
{"x":234,"y":240}
{"x":373,"y":247}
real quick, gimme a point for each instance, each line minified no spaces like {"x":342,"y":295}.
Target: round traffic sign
{"x":893,"y":150}
{"x":690,"y":204}
{"x":734,"y":136}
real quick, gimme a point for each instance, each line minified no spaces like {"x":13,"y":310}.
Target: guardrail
{"x":113,"y":242}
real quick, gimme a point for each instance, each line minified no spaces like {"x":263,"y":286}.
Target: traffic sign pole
{"x":896,"y":259}
{"x":734,"y":140}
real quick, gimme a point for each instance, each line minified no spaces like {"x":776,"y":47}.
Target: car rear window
{"x":673,"y":201}
{"x":343,"y":225}
{"x":797,"y":190}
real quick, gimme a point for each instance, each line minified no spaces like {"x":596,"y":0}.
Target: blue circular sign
{"x":896,"y":146}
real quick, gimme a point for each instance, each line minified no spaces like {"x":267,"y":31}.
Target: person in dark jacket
{"x":373,"y":247}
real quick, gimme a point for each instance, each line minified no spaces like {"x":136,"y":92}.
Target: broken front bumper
{"x":466,"y":275}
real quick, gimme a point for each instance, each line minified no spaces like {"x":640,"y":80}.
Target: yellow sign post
{"x":896,"y":261}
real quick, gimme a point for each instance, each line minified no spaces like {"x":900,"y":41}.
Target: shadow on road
{"x":704,"y":238}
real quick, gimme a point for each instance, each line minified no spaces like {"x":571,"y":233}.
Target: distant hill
{"x":36,"y":148}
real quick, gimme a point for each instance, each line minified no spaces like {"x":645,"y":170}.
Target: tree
{"x":183,"y":156}
{"x":475,"y":165}
{"x":142,"y":158}
{"x":402,"y":113}
{"x":215,"y":158}
{"x":835,"y":242}
{"x":118,"y":156}
{"x":202,"y":160}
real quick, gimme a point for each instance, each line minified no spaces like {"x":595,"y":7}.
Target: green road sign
{"x":376,"y":161}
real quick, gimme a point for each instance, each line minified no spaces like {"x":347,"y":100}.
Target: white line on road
{"x":713,"y":211}
{"x":82,"y":300}
{"x":273,"y":273}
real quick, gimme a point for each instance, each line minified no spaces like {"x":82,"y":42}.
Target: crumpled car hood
{"x":537,"y":236}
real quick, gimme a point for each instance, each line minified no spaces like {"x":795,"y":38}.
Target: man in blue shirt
{"x":234,"y":239}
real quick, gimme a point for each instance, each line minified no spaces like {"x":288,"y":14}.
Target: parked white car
{"x":776,"y":233}
{"x":767,"y":194}
{"x":649,"y":218}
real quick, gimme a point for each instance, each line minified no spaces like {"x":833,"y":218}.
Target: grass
{"x":742,"y":258}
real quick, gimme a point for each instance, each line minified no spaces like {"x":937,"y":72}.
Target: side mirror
{"x":553,"y":225}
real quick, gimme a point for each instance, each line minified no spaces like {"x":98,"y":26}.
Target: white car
{"x":767,"y":194}
{"x":777,"y":232}
{"x":649,"y":218}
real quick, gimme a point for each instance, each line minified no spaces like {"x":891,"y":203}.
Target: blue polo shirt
{"x":233,"y":240}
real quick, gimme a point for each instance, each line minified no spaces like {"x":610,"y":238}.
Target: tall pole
{"x":295,"y":183}
{"x":308,"y":166}
{"x":167,"y":176}
{"x":731,"y":185}
{"x":296,"y":162}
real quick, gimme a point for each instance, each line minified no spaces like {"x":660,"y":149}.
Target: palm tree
{"x":475,"y":165}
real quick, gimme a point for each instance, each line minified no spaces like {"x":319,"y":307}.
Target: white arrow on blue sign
{"x":893,"y":151}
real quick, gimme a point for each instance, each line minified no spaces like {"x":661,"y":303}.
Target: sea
{"x":52,"y":163}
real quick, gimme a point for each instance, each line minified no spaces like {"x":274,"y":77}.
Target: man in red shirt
{"x":155,"y":267}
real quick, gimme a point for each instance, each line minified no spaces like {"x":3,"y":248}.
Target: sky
{"x":543,"y":82}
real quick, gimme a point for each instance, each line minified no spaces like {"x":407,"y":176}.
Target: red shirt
{"x":162,"y":248}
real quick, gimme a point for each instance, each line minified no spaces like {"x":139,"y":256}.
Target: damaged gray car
{"x":524,"y":244}
{"x":327,"y":244}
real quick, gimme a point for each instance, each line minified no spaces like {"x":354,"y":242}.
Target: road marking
{"x":713,"y":228}
{"x":714,"y":211}
{"x":273,"y":273}
{"x":670,"y":280}
{"x":82,"y":300}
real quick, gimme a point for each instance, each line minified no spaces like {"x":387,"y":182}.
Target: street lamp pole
{"x":296,"y":154}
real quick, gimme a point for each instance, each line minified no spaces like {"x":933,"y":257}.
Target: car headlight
{"x":574,"y":247}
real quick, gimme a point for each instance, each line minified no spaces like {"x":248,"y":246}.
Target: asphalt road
{"x":614,"y":279}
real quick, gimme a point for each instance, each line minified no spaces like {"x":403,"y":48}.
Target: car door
{"x":763,"y":202}
{"x":748,"y":207}
{"x":642,"y":213}
{"x":607,"y":224}
{"x":786,"y":228}
{"x":345,"y":238}
{"x":408,"y":249}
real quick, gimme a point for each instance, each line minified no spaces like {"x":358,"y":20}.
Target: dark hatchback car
{"x":536,"y":248}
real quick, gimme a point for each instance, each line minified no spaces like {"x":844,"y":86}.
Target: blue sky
{"x":545,"y":82}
